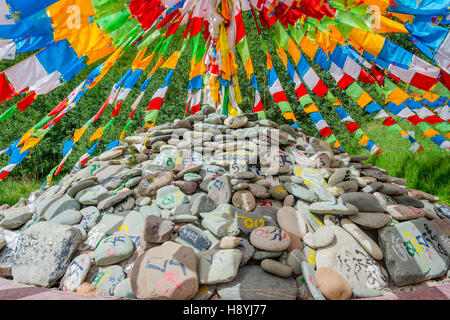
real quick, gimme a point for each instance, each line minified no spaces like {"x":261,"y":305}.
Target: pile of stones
{"x":211,"y":207}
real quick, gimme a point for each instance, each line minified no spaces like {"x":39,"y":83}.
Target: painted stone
{"x":169,"y":197}
{"x":165,"y":272}
{"x":402,"y":212}
{"x":43,"y":253}
{"x":107,"y":279}
{"x":346,"y":256}
{"x":269,"y":239}
{"x":194,"y":237}
{"x":309,"y":276}
{"x":75,"y":273}
{"x":413,"y":251}
{"x":113,"y":249}
{"x":363,"y":239}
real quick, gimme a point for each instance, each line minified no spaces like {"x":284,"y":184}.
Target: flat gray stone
{"x":253,"y":283}
{"x":218,"y":266}
{"x":43,"y":253}
{"x":413,"y":251}
{"x":68,"y":217}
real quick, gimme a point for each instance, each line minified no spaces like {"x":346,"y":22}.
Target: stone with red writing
{"x":107,"y":279}
{"x":253,"y":283}
{"x":165,"y":272}
{"x":332,"y":285}
{"x":270,"y":239}
{"x":291,"y":221}
{"x":402,"y":212}
{"x":113,"y":249}
{"x":340,"y":175}
{"x":244,"y":200}
{"x":348,"y":258}
{"x":308,"y":273}
{"x":413,"y":251}
{"x":218,"y":266}
{"x":75,"y":273}
{"x":220,"y":190}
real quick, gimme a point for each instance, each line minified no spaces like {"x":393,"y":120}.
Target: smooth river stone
{"x":363,"y":239}
{"x":107,"y":279}
{"x":402,"y":212}
{"x":300,"y":192}
{"x":165,"y":272}
{"x":221,"y":190}
{"x":371,"y":220}
{"x":323,"y":237}
{"x":276,"y":268}
{"x":43,"y":252}
{"x":332,"y":285}
{"x":340,"y":175}
{"x":13,"y":218}
{"x":346,"y":256}
{"x":413,"y":251}
{"x":218,"y":266}
{"x":244,"y":200}
{"x":291,"y":221}
{"x":113,"y":249}
{"x":365,"y":202}
{"x":68,"y":217}
{"x":75,"y":273}
{"x":92,"y":196}
{"x":408,"y":201}
{"x":253,"y":283}
{"x":270,"y":239}
{"x":337,"y":207}
{"x":169,"y":197}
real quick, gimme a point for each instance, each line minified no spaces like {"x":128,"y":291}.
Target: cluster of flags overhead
{"x":350,"y":41}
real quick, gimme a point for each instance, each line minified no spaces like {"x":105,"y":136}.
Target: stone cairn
{"x":212,"y":207}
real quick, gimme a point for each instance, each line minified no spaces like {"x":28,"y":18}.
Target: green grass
{"x":11,"y":190}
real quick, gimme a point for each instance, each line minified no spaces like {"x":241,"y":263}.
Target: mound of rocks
{"x":211,"y":207}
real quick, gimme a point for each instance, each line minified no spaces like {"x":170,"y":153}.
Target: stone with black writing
{"x":339,"y":176}
{"x":218,"y":266}
{"x":269,"y":239}
{"x":108,"y":224}
{"x":13,"y":218}
{"x":68,"y":217}
{"x":370,"y":246}
{"x":253,"y":283}
{"x":402,"y":212}
{"x":413,"y":251}
{"x":75,"y":273}
{"x":169,"y":197}
{"x":194,"y":237}
{"x":107,"y":279}
{"x":365,"y":202}
{"x":300,"y":192}
{"x":291,"y":221}
{"x":43,"y":253}
{"x":165,"y":272}
{"x":221,"y":190}
{"x":346,"y":256}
